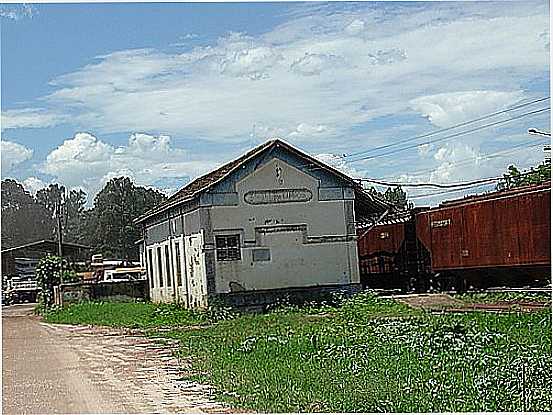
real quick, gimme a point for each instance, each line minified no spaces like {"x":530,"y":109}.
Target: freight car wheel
{"x":445,"y":282}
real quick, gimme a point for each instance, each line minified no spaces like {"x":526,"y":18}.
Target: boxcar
{"x":391,"y":256}
{"x":500,"y":238}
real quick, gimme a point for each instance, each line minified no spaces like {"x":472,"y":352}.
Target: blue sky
{"x":165,"y":92}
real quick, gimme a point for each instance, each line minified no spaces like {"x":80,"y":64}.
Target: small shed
{"x":273,"y":223}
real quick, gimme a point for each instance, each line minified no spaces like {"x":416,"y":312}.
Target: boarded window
{"x":159,"y":267}
{"x":178,"y":264}
{"x":150,"y":269}
{"x":261,"y":255}
{"x":168,"y":266}
{"x":228,"y":247}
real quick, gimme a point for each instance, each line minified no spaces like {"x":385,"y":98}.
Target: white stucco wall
{"x":296,"y":259}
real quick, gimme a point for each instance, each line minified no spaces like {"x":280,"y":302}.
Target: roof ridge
{"x":209,"y":179}
{"x":201,"y":183}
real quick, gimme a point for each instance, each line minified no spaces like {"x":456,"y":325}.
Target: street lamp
{"x":534,"y":131}
{"x":547,"y":147}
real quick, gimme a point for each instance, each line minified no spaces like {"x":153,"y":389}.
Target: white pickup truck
{"x":124,"y":274}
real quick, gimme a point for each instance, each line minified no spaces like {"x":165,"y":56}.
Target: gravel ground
{"x":81,"y":369}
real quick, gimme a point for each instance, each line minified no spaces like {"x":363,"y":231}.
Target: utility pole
{"x":58,"y":219}
{"x":59,"y":212}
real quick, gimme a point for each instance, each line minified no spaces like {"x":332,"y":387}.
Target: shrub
{"x":50,"y":271}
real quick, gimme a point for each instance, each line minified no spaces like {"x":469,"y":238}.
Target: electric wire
{"x":438,"y":185}
{"x":445,"y":192}
{"x":448,"y":137}
{"x":465,"y":123}
{"x":483,"y":157}
{"x":467,"y":186}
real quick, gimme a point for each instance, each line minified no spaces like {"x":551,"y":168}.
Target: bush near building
{"x":51,"y":271}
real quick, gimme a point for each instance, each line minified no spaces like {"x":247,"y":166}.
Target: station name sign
{"x":265,"y":197}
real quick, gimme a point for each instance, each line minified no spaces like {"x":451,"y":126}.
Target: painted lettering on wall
{"x":264,"y":197}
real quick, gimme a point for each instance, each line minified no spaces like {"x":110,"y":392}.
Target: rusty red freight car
{"x":496,"y":238}
{"x":390,"y":255}
{"x":499,"y":238}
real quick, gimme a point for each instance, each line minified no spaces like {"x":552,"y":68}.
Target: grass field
{"x":133,"y":315}
{"x":368,"y":355}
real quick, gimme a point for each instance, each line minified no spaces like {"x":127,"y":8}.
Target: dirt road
{"x":76,"y":369}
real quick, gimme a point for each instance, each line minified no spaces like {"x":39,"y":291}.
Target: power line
{"x":447,"y":128}
{"x":446,"y":191}
{"x":488,"y":156}
{"x":456,"y":134}
{"x":439,"y":185}
{"x":468,"y":185}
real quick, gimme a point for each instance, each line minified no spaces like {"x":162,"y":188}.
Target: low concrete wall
{"x":112,"y":291}
{"x":259,"y":299}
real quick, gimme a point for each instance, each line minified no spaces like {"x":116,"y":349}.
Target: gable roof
{"x":206,"y":181}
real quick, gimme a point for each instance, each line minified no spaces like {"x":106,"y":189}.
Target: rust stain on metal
{"x":502,"y":229}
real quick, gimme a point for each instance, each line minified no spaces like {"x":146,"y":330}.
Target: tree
{"x":23,"y":219}
{"x":396,"y":196}
{"x":72,"y":209}
{"x":108,"y":227}
{"x":111,"y":223}
{"x":515,"y":178}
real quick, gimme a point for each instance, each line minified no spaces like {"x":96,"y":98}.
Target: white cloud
{"x":86,"y":162}
{"x":424,"y":149}
{"x":253,"y":63}
{"x":444,"y":110}
{"x":16,"y":12}
{"x":339,"y":163}
{"x":13,"y":154}
{"x":31,"y":118}
{"x":339,"y":69}
{"x":315,"y":63}
{"x":306,"y":131}
{"x":332,"y":78}
{"x":449,"y":170}
{"x":34,"y":184}
{"x":355,"y":27}
{"x":387,"y":57}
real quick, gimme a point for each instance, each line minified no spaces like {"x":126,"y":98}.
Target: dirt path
{"x":447,"y":303}
{"x":79,"y":369}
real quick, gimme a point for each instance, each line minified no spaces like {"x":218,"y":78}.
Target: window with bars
{"x":228,"y":247}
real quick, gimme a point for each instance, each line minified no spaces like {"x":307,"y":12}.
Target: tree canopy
{"x":24,"y":220}
{"x":111,"y":228}
{"x":396,"y":196}
{"x":107,"y":226}
{"x":516,"y":178}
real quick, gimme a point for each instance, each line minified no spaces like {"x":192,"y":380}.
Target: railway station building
{"x":273,"y":223}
